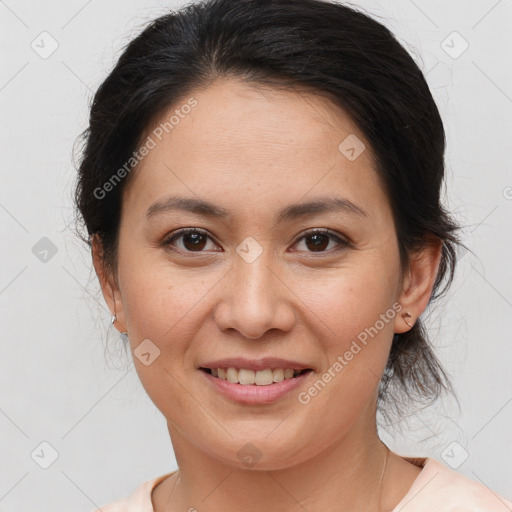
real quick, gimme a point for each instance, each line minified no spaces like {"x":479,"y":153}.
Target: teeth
{"x":278,"y":375}
{"x":258,"y":378}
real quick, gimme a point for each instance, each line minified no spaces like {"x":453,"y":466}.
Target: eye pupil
{"x":197,"y":239}
{"x":319,"y":241}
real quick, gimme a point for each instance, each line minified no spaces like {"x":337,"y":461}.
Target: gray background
{"x":58,"y":382}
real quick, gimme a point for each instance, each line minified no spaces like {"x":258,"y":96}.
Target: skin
{"x":254,"y":151}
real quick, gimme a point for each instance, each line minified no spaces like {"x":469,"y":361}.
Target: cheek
{"x":345,"y":302}
{"x":157,"y":309}
{"x":164,"y":304}
{"x":167,"y":315}
{"x":353,"y":318}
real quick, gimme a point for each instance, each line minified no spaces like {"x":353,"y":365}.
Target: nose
{"x":254,"y":299}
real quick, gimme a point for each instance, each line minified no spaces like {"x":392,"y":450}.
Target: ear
{"x":109,"y":286}
{"x":418,"y":283}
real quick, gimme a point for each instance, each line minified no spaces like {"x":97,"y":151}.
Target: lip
{"x":252,"y":394}
{"x":255,"y":364}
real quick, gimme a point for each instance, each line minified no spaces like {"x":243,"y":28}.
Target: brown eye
{"x":321,"y":241}
{"x":192,"y":240}
{"x":318,"y":242}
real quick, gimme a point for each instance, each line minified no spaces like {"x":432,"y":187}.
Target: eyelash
{"x":322,"y":231}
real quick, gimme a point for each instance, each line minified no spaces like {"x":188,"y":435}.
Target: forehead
{"x":231,"y":114}
{"x":239,"y":136}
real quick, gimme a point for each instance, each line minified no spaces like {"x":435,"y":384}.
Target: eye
{"x":192,"y":239}
{"x":319,"y":240}
{"x":196,"y":240}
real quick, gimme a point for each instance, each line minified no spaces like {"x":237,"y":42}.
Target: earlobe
{"x":404,"y":322}
{"x":418,"y":286}
{"x":405,"y":316}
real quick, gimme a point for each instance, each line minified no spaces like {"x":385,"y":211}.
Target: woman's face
{"x":256,"y":283}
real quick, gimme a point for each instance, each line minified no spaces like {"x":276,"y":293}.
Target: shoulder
{"x":138,"y":501}
{"x":442,"y":489}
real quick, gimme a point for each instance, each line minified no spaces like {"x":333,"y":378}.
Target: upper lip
{"x":255,"y":364}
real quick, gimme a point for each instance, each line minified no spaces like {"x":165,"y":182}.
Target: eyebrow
{"x":293,"y":211}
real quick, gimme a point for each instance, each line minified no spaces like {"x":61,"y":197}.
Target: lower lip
{"x":253,"y":394}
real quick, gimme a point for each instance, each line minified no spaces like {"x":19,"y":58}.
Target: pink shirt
{"x":436,"y":489}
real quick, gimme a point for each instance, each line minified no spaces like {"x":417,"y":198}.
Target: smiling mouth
{"x":256,"y":378}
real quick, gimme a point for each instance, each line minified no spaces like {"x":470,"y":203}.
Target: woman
{"x":261,"y":187}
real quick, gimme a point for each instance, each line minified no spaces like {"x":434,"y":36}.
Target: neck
{"x":346,"y":476}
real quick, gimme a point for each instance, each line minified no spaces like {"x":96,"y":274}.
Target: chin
{"x":262,"y":453}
